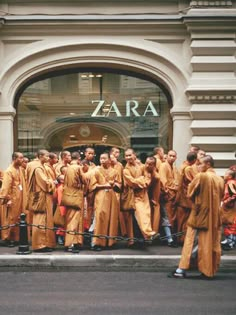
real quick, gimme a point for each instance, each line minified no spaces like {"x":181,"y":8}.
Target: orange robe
{"x":135,"y":178}
{"x":74,"y":186}
{"x":205,"y":190}
{"x":39,"y":181}
{"x":28,"y":173}
{"x":169,"y":180}
{"x":89,"y":199}
{"x":184,"y":204}
{"x":106,"y":205}
{"x":158,"y":162}
{"x":14,"y":186}
{"x":119,"y":167}
{"x":228,"y":210}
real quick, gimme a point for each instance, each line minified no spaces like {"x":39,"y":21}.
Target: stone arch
{"x":116,"y":128}
{"x":151,"y":59}
{"x":147,"y":58}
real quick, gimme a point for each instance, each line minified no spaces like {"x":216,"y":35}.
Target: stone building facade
{"x":185,"y":49}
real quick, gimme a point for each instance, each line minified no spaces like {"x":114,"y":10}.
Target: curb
{"x":74,"y":262}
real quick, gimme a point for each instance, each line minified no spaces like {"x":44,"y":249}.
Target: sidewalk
{"x":154,"y":257}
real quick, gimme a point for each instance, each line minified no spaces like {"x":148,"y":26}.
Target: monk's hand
{"x":107,"y":186}
{"x":111,"y":182}
{"x":9,"y":203}
{"x":153,"y":202}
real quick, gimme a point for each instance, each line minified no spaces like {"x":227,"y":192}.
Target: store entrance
{"x":101,"y":109}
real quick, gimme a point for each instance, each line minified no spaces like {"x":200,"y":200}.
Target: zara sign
{"x":131,"y":109}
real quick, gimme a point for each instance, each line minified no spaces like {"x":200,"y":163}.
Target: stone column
{"x":6,"y":137}
{"x":181,"y":133}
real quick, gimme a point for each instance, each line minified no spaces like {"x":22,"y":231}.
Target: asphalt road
{"x":114,"y":293}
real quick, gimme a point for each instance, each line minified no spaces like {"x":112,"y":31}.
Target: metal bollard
{"x":23,"y":242}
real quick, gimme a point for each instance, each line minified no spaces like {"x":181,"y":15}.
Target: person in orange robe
{"x":43,"y":240}
{"x":159,"y":156}
{"x":153,"y":192}
{"x":184,"y":204}
{"x":202,"y":240}
{"x":137,"y":179}
{"x":24,"y":165}
{"x":114,"y":156}
{"x":75,"y":158}
{"x":13,"y":198}
{"x":65,"y":159}
{"x":105,"y":182}
{"x":229,"y":210}
{"x":74,"y":182}
{"x":89,"y":197}
{"x":60,"y":212}
{"x":169,"y":186}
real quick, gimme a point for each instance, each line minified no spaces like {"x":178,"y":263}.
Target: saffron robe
{"x":158,"y":162}
{"x":106,"y":205}
{"x":135,"y":177}
{"x":14,"y":188}
{"x":119,"y":167}
{"x":184,"y":204}
{"x":89,"y":196}
{"x":209,"y":247}
{"x":169,"y":181}
{"x":74,"y":186}
{"x":228,"y":210}
{"x":40,"y":181}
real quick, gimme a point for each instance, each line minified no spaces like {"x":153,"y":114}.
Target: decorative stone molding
{"x":213,"y":98}
{"x":198,"y":4}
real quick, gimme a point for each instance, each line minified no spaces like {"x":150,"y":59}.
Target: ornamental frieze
{"x":212,"y":98}
{"x":198,"y":4}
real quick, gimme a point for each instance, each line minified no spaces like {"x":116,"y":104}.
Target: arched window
{"x":99,"y":108}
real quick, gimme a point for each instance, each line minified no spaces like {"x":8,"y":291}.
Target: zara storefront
{"x":118,"y":73}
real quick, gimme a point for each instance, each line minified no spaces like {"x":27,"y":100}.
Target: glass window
{"x":99,"y":109}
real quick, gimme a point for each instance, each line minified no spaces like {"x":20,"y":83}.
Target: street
{"x":114,"y":293}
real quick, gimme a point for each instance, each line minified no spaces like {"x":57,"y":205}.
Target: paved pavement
{"x":155,"y":257}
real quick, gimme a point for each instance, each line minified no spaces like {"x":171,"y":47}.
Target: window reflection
{"x":93,"y":108}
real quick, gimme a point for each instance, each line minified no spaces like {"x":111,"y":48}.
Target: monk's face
{"x":201,"y":154}
{"x":89,"y":154}
{"x":53,"y":160}
{"x":113,"y":159}
{"x":203,"y":166}
{"x":45,"y":157}
{"x":161,"y":153}
{"x":104,"y":160}
{"x":25,"y":162}
{"x":19,"y":160}
{"x":67,"y":157}
{"x":116,"y":153}
{"x":171,"y":157}
{"x":150,"y":165}
{"x":130,"y":157}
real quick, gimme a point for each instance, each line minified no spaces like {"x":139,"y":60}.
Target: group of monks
{"x":135,"y":200}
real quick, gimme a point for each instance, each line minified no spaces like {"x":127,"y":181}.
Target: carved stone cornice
{"x":211,"y":98}
{"x":211,"y":4}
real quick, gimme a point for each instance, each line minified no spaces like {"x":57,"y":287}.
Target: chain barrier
{"x":24,"y":246}
{"x":106,"y":237}
{"x":8,"y":226}
{"x":100,"y":236}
